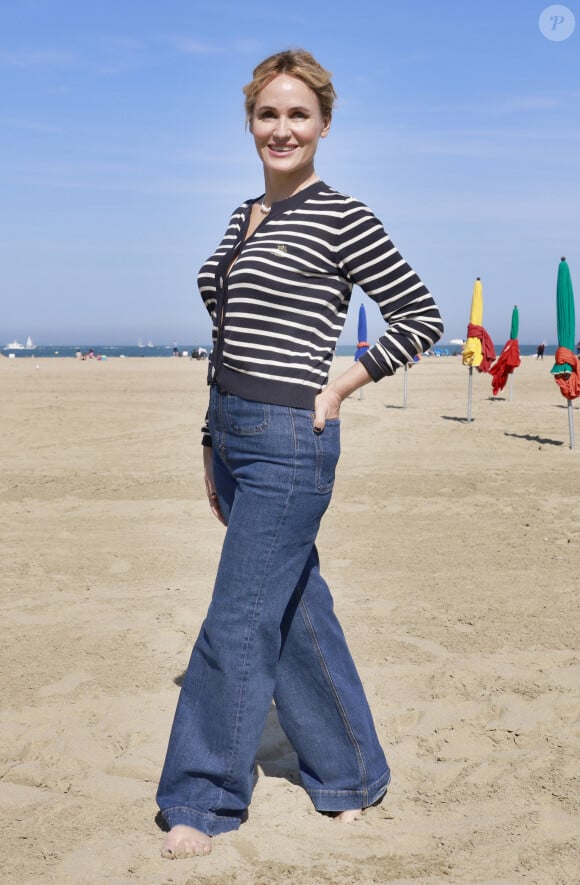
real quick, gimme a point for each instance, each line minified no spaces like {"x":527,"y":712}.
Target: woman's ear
{"x":325,"y":127}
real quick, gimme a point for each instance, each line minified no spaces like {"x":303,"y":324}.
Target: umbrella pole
{"x":571,"y":423}
{"x":469,"y":393}
{"x":405,"y":387}
{"x":511,"y":385}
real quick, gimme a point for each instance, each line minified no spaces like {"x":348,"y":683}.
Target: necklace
{"x":265,"y":210}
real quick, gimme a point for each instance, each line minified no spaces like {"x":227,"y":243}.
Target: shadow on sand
{"x":537,"y":439}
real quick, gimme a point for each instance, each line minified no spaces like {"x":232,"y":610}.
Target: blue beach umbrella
{"x":363,"y":344}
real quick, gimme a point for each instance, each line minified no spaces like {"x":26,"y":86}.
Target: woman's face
{"x":286,"y":124}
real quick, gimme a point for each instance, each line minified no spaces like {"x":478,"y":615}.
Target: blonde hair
{"x":296,"y":63}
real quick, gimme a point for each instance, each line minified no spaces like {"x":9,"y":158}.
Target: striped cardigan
{"x":279,"y":309}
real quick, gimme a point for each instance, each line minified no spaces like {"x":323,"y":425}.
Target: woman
{"x":277,"y":289}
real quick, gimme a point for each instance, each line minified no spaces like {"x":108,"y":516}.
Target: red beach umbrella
{"x":509,"y":358}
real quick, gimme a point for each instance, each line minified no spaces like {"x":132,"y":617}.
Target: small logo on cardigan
{"x":282,"y":247}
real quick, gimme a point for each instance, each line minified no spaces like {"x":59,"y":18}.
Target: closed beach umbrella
{"x":515,"y":326}
{"x":363,"y":344}
{"x":472,"y":354}
{"x":509,"y":358}
{"x":566,"y":368}
{"x":479,"y":352}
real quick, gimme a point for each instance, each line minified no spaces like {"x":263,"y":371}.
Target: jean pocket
{"x":247,"y":417}
{"x":327,"y":446}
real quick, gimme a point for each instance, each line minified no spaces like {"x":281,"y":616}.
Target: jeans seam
{"x":341,"y":710}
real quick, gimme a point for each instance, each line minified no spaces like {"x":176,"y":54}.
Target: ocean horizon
{"x":115,"y":351}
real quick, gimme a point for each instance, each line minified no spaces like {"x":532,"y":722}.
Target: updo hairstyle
{"x":296,"y":63}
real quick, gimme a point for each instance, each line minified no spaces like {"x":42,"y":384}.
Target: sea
{"x":116,"y":351}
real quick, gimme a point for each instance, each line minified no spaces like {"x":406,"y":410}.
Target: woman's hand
{"x":328,"y":401}
{"x":326,"y":407}
{"x":214,"y":504}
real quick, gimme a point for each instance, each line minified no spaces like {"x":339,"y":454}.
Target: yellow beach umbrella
{"x":472,"y":352}
{"x":479,"y":352}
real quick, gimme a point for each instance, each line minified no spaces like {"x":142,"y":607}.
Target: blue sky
{"x":123,"y":152}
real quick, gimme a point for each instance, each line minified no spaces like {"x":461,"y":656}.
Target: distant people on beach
{"x":540,"y":353}
{"x":89,"y":355}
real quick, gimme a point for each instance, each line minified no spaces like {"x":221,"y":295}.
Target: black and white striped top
{"x":278,"y":300}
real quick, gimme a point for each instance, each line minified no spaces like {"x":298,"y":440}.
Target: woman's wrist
{"x":350,"y":381}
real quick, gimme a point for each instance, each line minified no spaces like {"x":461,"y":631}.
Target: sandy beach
{"x":452,"y":550}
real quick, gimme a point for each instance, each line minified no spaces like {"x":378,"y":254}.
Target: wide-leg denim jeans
{"x":270,"y":632}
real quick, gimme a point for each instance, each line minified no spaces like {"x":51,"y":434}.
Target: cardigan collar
{"x":292,"y":202}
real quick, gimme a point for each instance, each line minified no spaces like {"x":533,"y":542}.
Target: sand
{"x":453,"y":554}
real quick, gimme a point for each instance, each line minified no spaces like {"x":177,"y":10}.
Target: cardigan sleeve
{"x":369,"y":258}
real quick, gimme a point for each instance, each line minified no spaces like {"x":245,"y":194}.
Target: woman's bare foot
{"x":348,"y":817}
{"x":182,"y":841}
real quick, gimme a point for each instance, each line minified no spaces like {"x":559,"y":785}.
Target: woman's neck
{"x":277,"y":189}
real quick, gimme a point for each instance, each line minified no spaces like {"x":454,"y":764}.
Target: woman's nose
{"x":282,"y":128}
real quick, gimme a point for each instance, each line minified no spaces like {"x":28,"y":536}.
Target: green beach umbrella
{"x":566,"y":369}
{"x":514,"y":332}
{"x":515,"y":322}
{"x":565,"y":315}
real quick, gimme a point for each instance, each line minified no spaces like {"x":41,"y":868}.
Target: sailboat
{"x":14,"y":345}
{"x":30,"y":344}
{"x":150,"y":343}
{"x":140,"y":343}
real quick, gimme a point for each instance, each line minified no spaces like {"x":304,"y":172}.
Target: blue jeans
{"x":270,"y":632}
